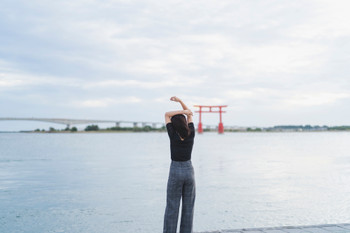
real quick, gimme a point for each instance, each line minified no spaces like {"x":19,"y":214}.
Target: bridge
{"x":70,"y":122}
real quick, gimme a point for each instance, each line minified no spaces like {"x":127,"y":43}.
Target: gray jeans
{"x":181,"y":184}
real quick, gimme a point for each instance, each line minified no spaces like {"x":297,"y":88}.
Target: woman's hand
{"x":174,"y":98}
{"x":188,"y":112}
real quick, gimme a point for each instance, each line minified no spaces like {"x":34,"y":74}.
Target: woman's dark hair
{"x":180,"y":125}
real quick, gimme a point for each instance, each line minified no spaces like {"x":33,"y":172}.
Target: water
{"x":117,"y":182}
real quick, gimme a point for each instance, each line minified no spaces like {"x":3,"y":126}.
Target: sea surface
{"x":116,"y":182}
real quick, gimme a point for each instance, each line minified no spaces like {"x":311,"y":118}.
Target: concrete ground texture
{"x":326,"y":228}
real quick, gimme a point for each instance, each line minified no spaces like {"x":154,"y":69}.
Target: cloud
{"x":10,"y":80}
{"x":105,"y":102}
{"x":261,"y":55}
{"x":291,"y":100}
{"x":315,"y":99}
{"x":7,"y":82}
{"x":287,"y":58}
{"x":111,"y":83}
{"x":328,"y":22}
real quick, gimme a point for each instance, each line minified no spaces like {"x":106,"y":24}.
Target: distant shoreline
{"x":228,"y":129}
{"x":129,"y":131}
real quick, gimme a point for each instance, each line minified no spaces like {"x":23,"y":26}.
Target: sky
{"x":272,"y":62}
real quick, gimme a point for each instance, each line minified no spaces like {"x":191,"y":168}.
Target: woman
{"x":181,"y":183}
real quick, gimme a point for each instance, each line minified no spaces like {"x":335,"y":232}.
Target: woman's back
{"x":181,"y":149}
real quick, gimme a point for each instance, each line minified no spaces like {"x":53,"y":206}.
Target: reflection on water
{"x":117,"y":182}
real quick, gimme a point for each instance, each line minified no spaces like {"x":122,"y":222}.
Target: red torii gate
{"x":221,"y":126}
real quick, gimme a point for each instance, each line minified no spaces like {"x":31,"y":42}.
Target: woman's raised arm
{"x":185,"y":111}
{"x":177,"y":99}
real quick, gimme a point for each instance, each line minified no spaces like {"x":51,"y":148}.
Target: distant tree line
{"x":308,"y":128}
{"x":92,"y":128}
{"x":148,"y":128}
{"x":340,"y":128}
{"x":145,"y":128}
{"x":52,"y":130}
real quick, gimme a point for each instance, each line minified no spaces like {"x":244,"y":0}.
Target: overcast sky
{"x":272,"y":62}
